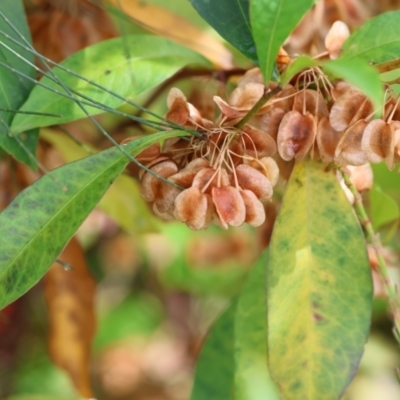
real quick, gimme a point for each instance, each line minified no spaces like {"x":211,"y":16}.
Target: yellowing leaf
{"x":319,"y":288}
{"x":160,"y":20}
{"x":69,"y":296}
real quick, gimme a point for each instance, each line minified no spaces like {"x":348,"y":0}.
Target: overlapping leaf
{"x":319,"y":289}
{"x":272,"y":21}
{"x":376,"y":41}
{"x":13,"y":89}
{"x":214,"y":376}
{"x":36,"y":226}
{"x":360,"y":74}
{"x":151,"y":60}
{"x":252,"y":378}
{"x":231,"y":20}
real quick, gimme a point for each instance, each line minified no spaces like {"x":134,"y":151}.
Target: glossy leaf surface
{"x":272,"y":21}
{"x":13,"y":89}
{"x":252,"y":378}
{"x":359,"y":74}
{"x":230,"y":18}
{"x":214,"y":376}
{"x":299,"y":64}
{"x":319,"y":289}
{"x":151,"y":61}
{"x":36,"y":226}
{"x":376,"y":41}
{"x":122,"y":201}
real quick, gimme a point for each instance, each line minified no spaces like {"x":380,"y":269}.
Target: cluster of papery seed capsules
{"x":226,"y":173}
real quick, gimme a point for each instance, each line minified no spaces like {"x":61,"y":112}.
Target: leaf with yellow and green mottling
{"x":319,"y":289}
{"x":122,"y":201}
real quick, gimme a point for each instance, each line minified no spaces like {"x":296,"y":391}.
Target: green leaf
{"x":122,"y":201}
{"x":214,"y":376}
{"x":37,"y":225}
{"x":13,"y":89}
{"x":376,"y":41}
{"x":319,"y":288}
{"x":358,"y":73}
{"x":151,"y":61}
{"x":231,"y":20}
{"x":383,"y":208}
{"x":272,"y":21}
{"x":252,"y":378}
{"x":299,"y":64}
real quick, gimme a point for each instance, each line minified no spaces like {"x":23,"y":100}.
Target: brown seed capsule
{"x":152,"y":163}
{"x":327,"y":140}
{"x":350,"y":107}
{"x":184,"y":178}
{"x":361,"y":176}
{"x":250,"y":179}
{"x":246,"y":95}
{"x":378,"y":141}
{"x":349,"y":149}
{"x":193,"y":208}
{"x":267,"y":166}
{"x":166,"y":216}
{"x":335,"y":38}
{"x":269,"y":122}
{"x":255,"y":212}
{"x":207,"y":178}
{"x":296,"y":135}
{"x":178,"y":107}
{"x":258,"y":144}
{"x":146,"y":155}
{"x":312,"y":102}
{"x":229,"y":205}
{"x":151,"y":184}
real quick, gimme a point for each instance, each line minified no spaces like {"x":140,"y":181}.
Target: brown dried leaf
{"x":69,"y":297}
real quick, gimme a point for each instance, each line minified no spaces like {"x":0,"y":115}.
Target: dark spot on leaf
{"x":299,"y":182}
{"x":304,"y":364}
{"x":295,"y":385}
{"x":315,"y":304}
{"x":318,"y":317}
{"x":107,"y":72}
